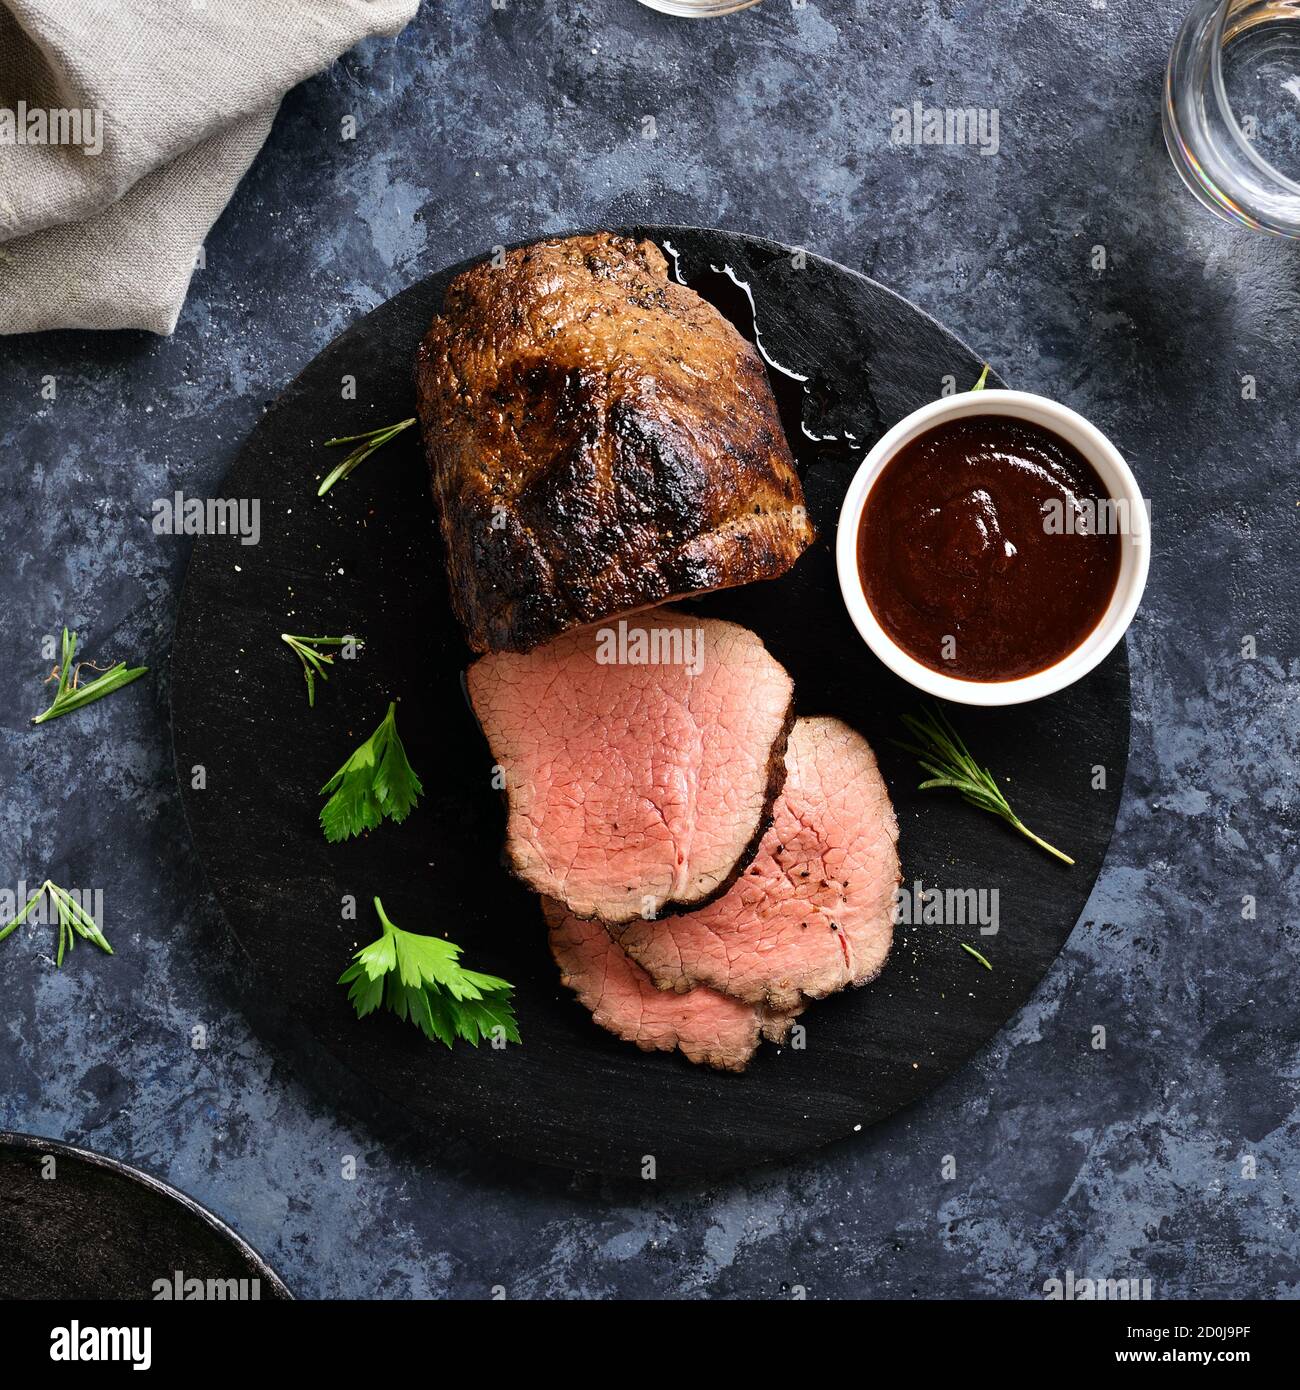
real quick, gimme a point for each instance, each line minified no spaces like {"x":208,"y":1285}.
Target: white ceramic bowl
{"x":1135,"y":547}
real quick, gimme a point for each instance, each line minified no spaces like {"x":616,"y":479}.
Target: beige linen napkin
{"x":125,"y":126}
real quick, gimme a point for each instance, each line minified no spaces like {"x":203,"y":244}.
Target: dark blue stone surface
{"x":1174,"y":1153}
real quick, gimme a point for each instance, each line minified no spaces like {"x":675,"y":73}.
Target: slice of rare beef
{"x":704,"y":1025}
{"x":640,"y":760}
{"x":814,"y":911}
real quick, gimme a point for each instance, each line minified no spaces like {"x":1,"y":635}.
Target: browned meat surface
{"x":600,"y":439}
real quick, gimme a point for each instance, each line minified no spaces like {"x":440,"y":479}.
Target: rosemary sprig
{"x":984,"y":379}
{"x":941,"y":752}
{"x":74,"y":920}
{"x":976,"y":954}
{"x":366,"y":445}
{"x":71,"y":695}
{"x":314,"y":662}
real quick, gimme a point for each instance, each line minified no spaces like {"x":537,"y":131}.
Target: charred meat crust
{"x":599,"y":439}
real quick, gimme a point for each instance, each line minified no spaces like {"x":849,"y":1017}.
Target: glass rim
{"x":1230,"y":116}
{"x":699,"y":9}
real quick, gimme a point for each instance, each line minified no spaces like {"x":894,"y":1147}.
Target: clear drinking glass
{"x":1232,"y":110}
{"x":699,"y":9}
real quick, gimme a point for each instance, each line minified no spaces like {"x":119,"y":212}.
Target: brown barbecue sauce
{"x":987,"y":548}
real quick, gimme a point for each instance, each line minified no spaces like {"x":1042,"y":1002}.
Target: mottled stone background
{"x":481,"y":126}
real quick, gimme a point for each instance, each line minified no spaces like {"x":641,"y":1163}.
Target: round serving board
{"x":74,"y":1224}
{"x":251,"y":757}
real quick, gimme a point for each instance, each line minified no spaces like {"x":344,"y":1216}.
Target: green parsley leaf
{"x":984,"y":379}
{"x":376,"y":781}
{"x":70,"y":695}
{"x":421,"y":980}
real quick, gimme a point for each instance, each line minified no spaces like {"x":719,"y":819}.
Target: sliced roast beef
{"x":599,"y":438}
{"x":814,"y":911}
{"x":640,"y":760}
{"x":704,"y":1025}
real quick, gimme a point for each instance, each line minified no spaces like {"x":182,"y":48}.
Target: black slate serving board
{"x":367,"y":560}
{"x":77,"y":1225}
